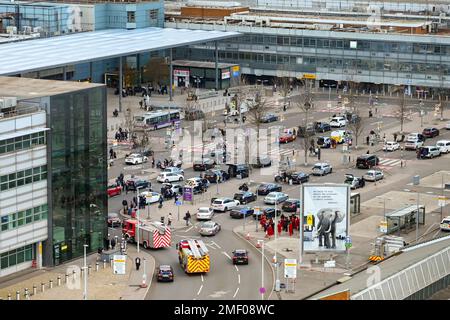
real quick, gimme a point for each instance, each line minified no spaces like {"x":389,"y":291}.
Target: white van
{"x":443,"y":145}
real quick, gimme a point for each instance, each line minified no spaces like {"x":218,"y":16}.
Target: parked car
{"x":321,"y":169}
{"x":373,"y":175}
{"x":338,"y":122}
{"x":174,"y":170}
{"x":240,"y":212}
{"x":216,"y":175}
{"x":135,"y":158}
{"x":114,"y":190}
{"x":322,"y":126}
{"x":262,"y":162}
{"x":269,"y":212}
{"x":445,"y":224}
{"x":224,"y":204}
{"x":209,"y":228}
{"x":414,"y":141}
{"x":135,"y":183}
{"x":236,"y":170}
{"x":266,"y":188}
{"x":169,"y":177}
{"x":176,"y":188}
{"x":447,"y":126}
{"x":275,"y":198}
{"x":429,"y":152}
{"x":244,"y":197}
{"x":340,"y":135}
{"x":430,"y":132}
{"x":354,"y":182}
{"x":205,"y":213}
{"x":286,"y":137}
{"x":291,"y":205}
{"x":367,"y":161}
{"x":324,"y":142}
{"x":306,"y":132}
{"x":443,"y":145}
{"x":150,"y":196}
{"x":164,"y":273}
{"x":204,"y":164}
{"x":269,"y":118}
{"x":298,"y":177}
{"x":240,"y":256}
{"x":391,"y":146}
{"x":114,"y":220}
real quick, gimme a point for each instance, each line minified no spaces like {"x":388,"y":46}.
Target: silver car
{"x":275,"y":197}
{"x":373,"y":175}
{"x":209,"y":228}
{"x":321,"y":169}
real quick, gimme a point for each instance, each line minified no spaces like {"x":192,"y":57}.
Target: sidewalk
{"x":102,"y":284}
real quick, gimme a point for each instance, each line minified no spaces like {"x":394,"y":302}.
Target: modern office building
{"x":53,"y":170}
{"x":377,"y":49}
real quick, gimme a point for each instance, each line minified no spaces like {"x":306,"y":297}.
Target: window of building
{"x":153,"y":14}
{"x":24,"y":217}
{"x":11,"y":258}
{"x":23,"y":177}
{"x":131,"y":17}
{"x":22,"y":142}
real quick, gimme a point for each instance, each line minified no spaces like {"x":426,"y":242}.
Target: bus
{"x":158,"y":119}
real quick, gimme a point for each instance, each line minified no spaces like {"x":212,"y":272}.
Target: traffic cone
{"x":143,"y":285}
{"x":247,"y":236}
{"x":258,"y":245}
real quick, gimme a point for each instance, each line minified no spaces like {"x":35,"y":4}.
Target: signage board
{"x":187,"y":193}
{"x":181,"y":73}
{"x":226,"y":75}
{"x":119,"y":264}
{"x":383,"y":226}
{"x":235,"y":69}
{"x":329,"y":205}
{"x":309,"y":76}
{"x":290,"y":268}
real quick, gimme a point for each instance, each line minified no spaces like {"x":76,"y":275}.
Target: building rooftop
{"x":202,"y":64}
{"x":27,"y":88}
{"x":40,"y":54}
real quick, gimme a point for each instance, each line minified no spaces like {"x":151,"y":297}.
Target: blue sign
{"x":178,"y":203}
{"x":348,"y":239}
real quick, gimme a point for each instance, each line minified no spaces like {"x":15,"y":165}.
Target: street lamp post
{"x":138,"y":220}
{"x":109,"y":239}
{"x":416,"y":182}
{"x":85,"y":294}
{"x":277,"y":281}
{"x":261,"y":242}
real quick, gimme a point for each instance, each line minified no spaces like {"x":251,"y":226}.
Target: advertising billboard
{"x":325,"y":216}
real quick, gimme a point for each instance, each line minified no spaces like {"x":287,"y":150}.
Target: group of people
{"x":285,"y":224}
{"x":121,"y":134}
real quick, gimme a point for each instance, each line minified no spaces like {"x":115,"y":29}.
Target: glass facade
{"x":24,"y":217}
{"x":23,"y":177}
{"x":78,"y":173}
{"x":11,"y":258}
{"x":23,"y":142}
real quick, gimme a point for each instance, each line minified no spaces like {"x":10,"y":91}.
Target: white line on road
{"x":239,"y":278}
{"x":436,"y":234}
{"x":236,"y":268}
{"x":219,"y":247}
{"x":200,"y":290}
{"x":226,"y":255}
{"x":237,"y":290}
{"x":189,"y":229}
{"x":202,"y":278}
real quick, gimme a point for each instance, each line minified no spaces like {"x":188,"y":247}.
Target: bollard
{"x":42,"y":287}
{"x":9,"y":296}
{"x":34,"y":290}
{"x":59,"y":281}
{"x":96,"y":266}
{"x":104,"y":264}
{"x":66,"y":278}
{"x":17,"y":295}
{"x":82,"y":272}
{"x":89,"y":269}
{"x":73,"y":274}
{"x":51,"y":284}
{"x":27,"y":294}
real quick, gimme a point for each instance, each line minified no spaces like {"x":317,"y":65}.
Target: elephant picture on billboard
{"x":327,"y":219}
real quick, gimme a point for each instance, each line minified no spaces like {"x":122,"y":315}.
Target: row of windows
{"x":14,"y":257}
{"x":359,"y":64}
{"x":365,"y":45}
{"x":20,"y":178}
{"x":24,"y":217}
{"x":22,"y":142}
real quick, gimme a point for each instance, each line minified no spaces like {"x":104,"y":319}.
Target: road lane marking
{"x":226,"y":255}
{"x":202,"y":278}
{"x":189,"y":229}
{"x":237,"y":290}
{"x":239,"y":278}
{"x":236,"y":268}
{"x":200,"y":290}
{"x":219,"y":247}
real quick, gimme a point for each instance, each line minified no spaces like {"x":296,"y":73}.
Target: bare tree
{"x":401,"y":111}
{"x":306,"y":106}
{"x":356,"y":124}
{"x":442,"y":103}
{"x":284,"y":87}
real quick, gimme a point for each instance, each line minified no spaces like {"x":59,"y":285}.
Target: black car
{"x":262,"y":162}
{"x":240,"y":212}
{"x":212,"y":176}
{"x":240,"y":256}
{"x":266,"y":188}
{"x":164,"y":273}
{"x":269,"y":118}
{"x":204,"y":164}
{"x":354,"y":182}
{"x":322,"y":126}
{"x":291,"y":205}
{"x":299,"y":177}
{"x":306,"y":132}
{"x":244,"y":197}
{"x":238,"y":169}
{"x":269,"y":212}
{"x":134,"y":184}
{"x":367,"y":161}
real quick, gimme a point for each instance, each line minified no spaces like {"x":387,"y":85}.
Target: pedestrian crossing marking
{"x":389,"y":163}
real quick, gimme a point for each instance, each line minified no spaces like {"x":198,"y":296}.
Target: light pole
{"x":261,"y":243}
{"x":109,"y":238}
{"x":138,"y":221}
{"x":277,"y":281}
{"x":144,"y":276}
{"x":416,"y":182}
{"x":85,"y":294}
{"x":116,"y":237}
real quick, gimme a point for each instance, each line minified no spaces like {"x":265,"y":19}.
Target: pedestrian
{"x":169,"y":219}
{"x":368,"y":152}
{"x":160,"y":202}
{"x":269,"y":232}
{"x":137,"y":261}
{"x":153,"y":161}
{"x":279,"y":227}
{"x":175,"y":198}
{"x":113,"y":243}
{"x":187,"y":217}
{"x":125,"y":205}
{"x":111,"y":153}
{"x":395,"y":137}
{"x":367,"y":140}
{"x":291,"y":229}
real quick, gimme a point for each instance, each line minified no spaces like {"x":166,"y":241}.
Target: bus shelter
{"x":355,"y":203}
{"x":404,"y":219}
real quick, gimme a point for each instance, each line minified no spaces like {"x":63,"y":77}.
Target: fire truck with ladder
{"x":193,"y":256}
{"x":151,"y":234}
